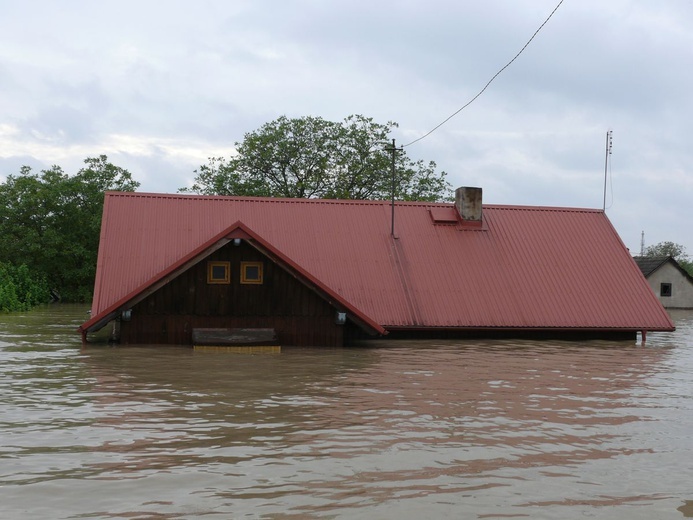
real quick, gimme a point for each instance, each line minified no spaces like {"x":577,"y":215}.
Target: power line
{"x":491,"y":80}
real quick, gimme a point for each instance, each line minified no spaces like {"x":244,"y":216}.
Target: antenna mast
{"x":609,"y":144}
{"x":642,"y":243}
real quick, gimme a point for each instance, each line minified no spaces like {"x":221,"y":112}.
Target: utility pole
{"x":393,"y":151}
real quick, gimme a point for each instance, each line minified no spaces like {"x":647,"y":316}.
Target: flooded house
{"x":670,"y":282}
{"x":172,"y":268}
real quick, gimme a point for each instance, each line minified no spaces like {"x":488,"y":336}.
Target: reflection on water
{"x":467,"y":429}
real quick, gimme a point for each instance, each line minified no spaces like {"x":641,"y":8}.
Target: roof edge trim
{"x":366,"y":320}
{"x":236,"y":230}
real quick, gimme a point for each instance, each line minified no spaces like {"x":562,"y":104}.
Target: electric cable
{"x":489,"y":81}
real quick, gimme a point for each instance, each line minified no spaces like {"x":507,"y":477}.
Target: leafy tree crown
{"x":310,"y":157}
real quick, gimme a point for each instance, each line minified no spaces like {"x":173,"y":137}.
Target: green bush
{"x":19,"y":289}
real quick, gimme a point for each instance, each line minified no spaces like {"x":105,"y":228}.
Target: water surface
{"x":437,"y":429}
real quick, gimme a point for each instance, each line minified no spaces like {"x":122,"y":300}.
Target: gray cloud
{"x":163,"y":89}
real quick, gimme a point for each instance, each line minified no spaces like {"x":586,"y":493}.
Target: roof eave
{"x":481,"y":328}
{"x":102,"y":318}
{"x":236,"y":230}
{"x":359,"y":317}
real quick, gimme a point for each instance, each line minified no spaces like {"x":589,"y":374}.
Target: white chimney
{"x":468,"y":203}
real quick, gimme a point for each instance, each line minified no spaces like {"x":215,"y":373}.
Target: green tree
{"x":51,"y":221}
{"x":315,"y":158}
{"x":677,"y":251}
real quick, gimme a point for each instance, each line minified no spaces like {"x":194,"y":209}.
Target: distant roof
{"x":649,"y":264}
{"x":524,"y":267}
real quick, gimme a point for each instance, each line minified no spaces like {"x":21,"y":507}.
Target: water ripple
{"x":502,"y":429}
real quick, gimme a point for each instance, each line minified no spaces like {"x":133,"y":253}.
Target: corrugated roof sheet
{"x":525,"y":267}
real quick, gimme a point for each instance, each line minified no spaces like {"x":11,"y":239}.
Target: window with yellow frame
{"x":251,"y":272}
{"x":219,"y":272}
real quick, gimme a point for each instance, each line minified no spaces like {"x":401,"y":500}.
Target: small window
{"x":218,"y":272}
{"x":251,"y":272}
{"x":665,"y":290}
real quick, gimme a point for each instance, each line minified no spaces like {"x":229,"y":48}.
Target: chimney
{"x":468,"y":203}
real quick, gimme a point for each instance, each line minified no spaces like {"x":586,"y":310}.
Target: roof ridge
{"x":341,"y":202}
{"x":285,"y":200}
{"x":543,"y":208}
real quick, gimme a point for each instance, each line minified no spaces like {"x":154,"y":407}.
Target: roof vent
{"x":468,"y":203}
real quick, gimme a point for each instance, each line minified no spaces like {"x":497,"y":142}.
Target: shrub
{"x":19,"y":289}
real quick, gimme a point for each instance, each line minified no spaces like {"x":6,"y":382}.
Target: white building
{"x":669,"y":281}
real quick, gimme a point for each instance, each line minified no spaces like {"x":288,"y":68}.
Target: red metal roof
{"x":524,"y":267}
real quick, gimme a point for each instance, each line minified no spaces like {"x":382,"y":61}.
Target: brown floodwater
{"x":406,"y":430}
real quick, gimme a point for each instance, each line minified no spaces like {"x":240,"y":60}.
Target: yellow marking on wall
{"x":235,"y":349}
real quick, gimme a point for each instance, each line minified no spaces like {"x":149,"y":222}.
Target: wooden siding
{"x":298,"y":314}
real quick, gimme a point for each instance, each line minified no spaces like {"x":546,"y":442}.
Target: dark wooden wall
{"x":298,"y":314}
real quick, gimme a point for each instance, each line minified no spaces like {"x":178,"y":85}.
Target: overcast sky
{"x":161,"y":86}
